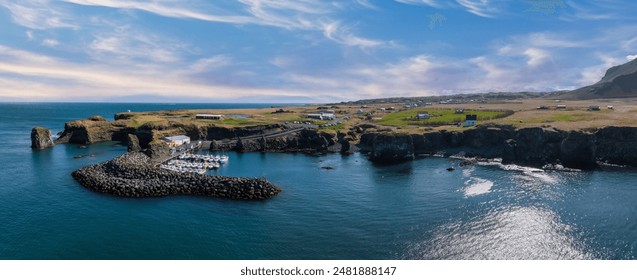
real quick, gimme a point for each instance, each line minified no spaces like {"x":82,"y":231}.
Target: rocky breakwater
{"x":41,"y":138}
{"x":134,"y":175}
{"x":535,"y":146}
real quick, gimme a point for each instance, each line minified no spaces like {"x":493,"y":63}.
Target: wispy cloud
{"x":286,"y":14}
{"x":123,"y":44}
{"x":483,"y":8}
{"x":343,"y":35}
{"x":166,"y":9}
{"x":38,"y":14}
{"x":431,"y":3}
{"x":49,"y":79}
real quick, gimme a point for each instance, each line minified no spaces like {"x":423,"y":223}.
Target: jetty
{"x":134,"y":174}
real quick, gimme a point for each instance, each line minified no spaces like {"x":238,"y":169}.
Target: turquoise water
{"x":357,"y":210}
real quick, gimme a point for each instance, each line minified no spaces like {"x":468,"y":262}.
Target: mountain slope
{"x":618,"y":82}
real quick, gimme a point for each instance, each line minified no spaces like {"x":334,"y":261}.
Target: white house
{"x":209,"y":117}
{"x":178,"y":140}
{"x":328,"y":116}
{"x":423,"y":116}
{"x":322,"y":116}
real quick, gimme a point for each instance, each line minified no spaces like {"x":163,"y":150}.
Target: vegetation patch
{"x":438,"y":116}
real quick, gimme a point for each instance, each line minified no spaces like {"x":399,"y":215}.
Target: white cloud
{"x":631,"y":57}
{"x":50,"y":79}
{"x":335,"y":32}
{"x":210,"y":63}
{"x":124,"y":44}
{"x":483,"y":8}
{"x":50,"y":42}
{"x":366,"y":4}
{"x":431,"y":3}
{"x":37,"y":14}
{"x":593,"y":74}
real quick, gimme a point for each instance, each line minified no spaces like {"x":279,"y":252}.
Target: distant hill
{"x":619,"y":82}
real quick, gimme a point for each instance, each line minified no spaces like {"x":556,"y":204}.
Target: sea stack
{"x":41,"y":138}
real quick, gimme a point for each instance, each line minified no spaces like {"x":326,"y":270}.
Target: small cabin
{"x":593,"y":108}
{"x":209,"y":117}
{"x":561,"y":106}
{"x":610,"y":107}
{"x":176,"y":141}
{"x":328,"y":116}
{"x":382,"y":109}
{"x":471,"y":120}
{"x":315,"y":116}
{"x":423,"y":116}
{"x":543,"y":107}
{"x":321,"y":116}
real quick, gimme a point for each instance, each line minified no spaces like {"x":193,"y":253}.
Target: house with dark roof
{"x":470,"y":120}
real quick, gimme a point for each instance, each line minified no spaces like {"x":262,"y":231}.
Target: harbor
{"x":194,"y":163}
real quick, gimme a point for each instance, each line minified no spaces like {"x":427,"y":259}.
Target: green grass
{"x":238,"y":122}
{"x":337,"y":127}
{"x":438,"y":117}
{"x":139,"y":120}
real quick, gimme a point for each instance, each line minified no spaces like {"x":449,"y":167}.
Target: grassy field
{"x":519,"y":113}
{"x":438,"y":117}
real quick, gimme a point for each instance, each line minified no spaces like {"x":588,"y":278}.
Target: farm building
{"x":470,"y":120}
{"x":423,"y":116}
{"x":321,"y":116}
{"x":209,"y":117}
{"x":178,"y":140}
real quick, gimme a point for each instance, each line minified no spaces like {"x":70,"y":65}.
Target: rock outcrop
{"x":157,"y":149}
{"x":135,"y":175}
{"x":41,"y":138}
{"x":133,"y":143}
{"x":95,"y":129}
{"x":392,"y":148}
{"x":537,"y":146}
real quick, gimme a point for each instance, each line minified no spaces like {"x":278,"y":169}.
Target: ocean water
{"x":358,"y":210}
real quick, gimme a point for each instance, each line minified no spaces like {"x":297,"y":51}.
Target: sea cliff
{"x":536,"y":146}
{"x":532,"y":146}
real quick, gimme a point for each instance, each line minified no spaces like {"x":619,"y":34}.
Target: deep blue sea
{"x":358,"y":210}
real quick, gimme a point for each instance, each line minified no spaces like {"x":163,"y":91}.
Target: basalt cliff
{"x":271,"y":138}
{"x":535,"y":146}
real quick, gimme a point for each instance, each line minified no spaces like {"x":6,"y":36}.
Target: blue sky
{"x":304,"y":50}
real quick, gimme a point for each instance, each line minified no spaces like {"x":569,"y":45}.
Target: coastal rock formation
{"x":134,"y":175}
{"x":310,"y":141}
{"x":133,"y":143}
{"x":616,"y":145}
{"x":392,"y":148}
{"x":93,"y":130}
{"x":537,"y":146}
{"x":41,"y":138}
{"x":578,"y":150}
{"x":157,"y":149}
